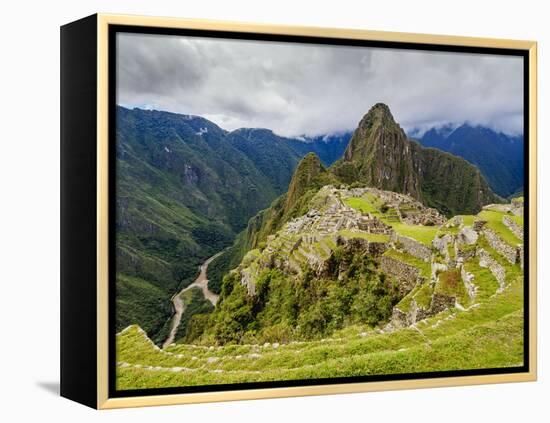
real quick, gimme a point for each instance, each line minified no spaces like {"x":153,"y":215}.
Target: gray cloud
{"x":299,"y":89}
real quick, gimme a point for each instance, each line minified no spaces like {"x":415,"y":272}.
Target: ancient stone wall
{"x":467,"y":280}
{"x":479,"y":224}
{"x":406,"y":275}
{"x":507,"y":251}
{"x":441,"y":243}
{"x":414,"y":248}
{"x":516,"y":229}
{"x":485,"y":260}
{"x":441,"y":302}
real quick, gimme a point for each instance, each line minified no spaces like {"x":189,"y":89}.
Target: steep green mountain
{"x":185,"y":188}
{"x":379,"y":154}
{"x":498,"y":156}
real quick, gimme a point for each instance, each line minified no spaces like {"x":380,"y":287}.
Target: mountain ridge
{"x":498,"y":156}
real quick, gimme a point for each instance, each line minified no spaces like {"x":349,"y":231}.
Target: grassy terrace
{"x":450,"y":284}
{"x":370,"y":204}
{"x":490,"y":335}
{"x":423,"y":234}
{"x":494,"y":222}
{"x":517,"y":219}
{"x":363,"y":205}
{"x":468,"y":220}
{"x":346,"y":233}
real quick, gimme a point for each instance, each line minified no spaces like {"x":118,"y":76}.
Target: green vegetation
{"x":195,"y":306}
{"x":450,"y":284}
{"x":451,"y":184}
{"x":185,"y":188}
{"x":517,"y":219}
{"x":347,"y":233}
{"x":423,"y":296}
{"x":363,"y":205}
{"x":140,"y":301}
{"x":494,"y":222}
{"x":285,"y":309}
{"x":468,"y":220}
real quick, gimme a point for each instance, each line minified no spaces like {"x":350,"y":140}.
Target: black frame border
{"x":113,"y":30}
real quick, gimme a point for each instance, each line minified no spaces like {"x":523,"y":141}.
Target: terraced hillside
{"x":392,"y":287}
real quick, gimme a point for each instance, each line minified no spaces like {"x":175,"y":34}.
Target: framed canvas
{"x":256,"y":211}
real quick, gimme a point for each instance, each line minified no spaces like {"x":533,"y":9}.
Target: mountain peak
{"x":376,"y":130}
{"x":306,"y":176}
{"x":380,"y":112}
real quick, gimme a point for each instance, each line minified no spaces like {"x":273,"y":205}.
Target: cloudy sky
{"x":297,"y":89}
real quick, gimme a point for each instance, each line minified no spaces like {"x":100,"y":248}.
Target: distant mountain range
{"x":497,"y":155}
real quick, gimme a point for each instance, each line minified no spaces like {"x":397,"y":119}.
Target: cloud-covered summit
{"x":298,"y":89}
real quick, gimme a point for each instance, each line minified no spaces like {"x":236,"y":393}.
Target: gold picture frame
{"x":100,"y":25}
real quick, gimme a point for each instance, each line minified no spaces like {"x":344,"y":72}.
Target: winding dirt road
{"x":179,"y":307}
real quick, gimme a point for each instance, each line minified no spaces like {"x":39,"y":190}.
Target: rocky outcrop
{"x":441,"y":302}
{"x":248,"y":279}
